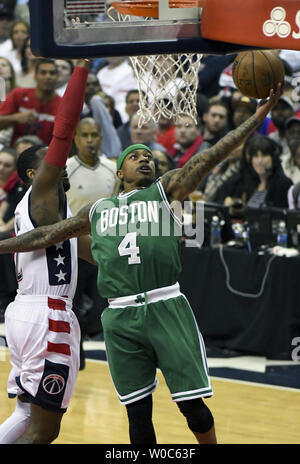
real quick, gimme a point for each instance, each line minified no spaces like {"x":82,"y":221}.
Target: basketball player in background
{"x":148,"y":323}
{"x":42,"y":331}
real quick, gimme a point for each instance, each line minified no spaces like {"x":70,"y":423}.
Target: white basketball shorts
{"x":43,"y":336}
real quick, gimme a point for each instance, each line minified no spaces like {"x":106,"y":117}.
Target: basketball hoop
{"x":167,"y":84}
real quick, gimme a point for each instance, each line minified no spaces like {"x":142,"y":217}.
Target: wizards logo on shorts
{"x":59,"y":263}
{"x":52,"y":385}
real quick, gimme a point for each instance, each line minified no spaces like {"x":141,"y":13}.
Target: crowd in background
{"x":261,"y":172}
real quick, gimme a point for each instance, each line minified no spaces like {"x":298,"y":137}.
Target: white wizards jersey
{"x":52,"y":271}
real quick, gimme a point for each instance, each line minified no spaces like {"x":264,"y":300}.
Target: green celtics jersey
{"x":135,"y":242}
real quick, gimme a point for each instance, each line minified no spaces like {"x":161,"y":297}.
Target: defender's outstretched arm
{"x":45,"y":236}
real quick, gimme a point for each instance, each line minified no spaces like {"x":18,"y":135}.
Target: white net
{"x":167,"y":84}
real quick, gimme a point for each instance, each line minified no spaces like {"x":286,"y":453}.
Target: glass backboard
{"x":90,"y":28}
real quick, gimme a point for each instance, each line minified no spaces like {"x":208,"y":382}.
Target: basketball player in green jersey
{"x":135,"y":243}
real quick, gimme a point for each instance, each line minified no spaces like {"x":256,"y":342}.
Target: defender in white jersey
{"x":49,"y":345}
{"x":56,"y":265}
{"x":41,"y":329}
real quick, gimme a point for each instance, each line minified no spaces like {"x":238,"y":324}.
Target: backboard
{"x":175,"y":30}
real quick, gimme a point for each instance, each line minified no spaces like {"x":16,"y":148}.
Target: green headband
{"x":136,"y":146}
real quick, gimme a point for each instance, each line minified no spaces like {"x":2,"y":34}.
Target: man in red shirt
{"x":32,"y":111}
{"x":188,"y":140}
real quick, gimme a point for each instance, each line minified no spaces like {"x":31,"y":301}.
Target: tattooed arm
{"x":179,"y":183}
{"x":45,"y":236}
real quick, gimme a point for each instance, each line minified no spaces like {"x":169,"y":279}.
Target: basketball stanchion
{"x":167,"y":83}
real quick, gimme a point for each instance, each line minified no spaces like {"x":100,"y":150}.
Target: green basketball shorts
{"x":155,"y":330}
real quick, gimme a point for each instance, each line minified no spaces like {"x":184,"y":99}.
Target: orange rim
{"x":149,"y":8}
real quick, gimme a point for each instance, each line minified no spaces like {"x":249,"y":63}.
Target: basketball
{"x":255,"y":73}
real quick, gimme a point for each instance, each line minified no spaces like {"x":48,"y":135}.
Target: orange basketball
{"x":256,"y":72}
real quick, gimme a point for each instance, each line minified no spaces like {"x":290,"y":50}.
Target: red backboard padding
{"x":260,"y":23}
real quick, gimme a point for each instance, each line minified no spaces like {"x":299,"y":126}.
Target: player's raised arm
{"x":45,"y":236}
{"x":179,"y":183}
{"x":44,"y":196}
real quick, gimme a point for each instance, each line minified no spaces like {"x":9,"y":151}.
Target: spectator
{"x":7,"y":167}
{"x":32,"y":111}
{"x":202,"y":104}
{"x":8,"y":73}
{"x":166,"y":128}
{"x":292,"y":128}
{"x":291,"y":165}
{"x":26,"y":141}
{"x":215,"y":122}
{"x":132,"y":106}
{"x":6,"y":19}
{"x":166,"y":132}
{"x":279,"y":115}
{"x":146,"y":134}
{"x":95,"y":107}
{"x":12,"y":191}
{"x":92,"y":87}
{"x":242,"y":108}
{"x":110,"y":104}
{"x":188,"y":140}
{"x":92,"y":176}
{"x":65,"y":68}
{"x":163,"y":162}
{"x":291,"y":91}
{"x":116,"y":79}
{"x":12,"y":48}
{"x":8,"y":174}
{"x":263,"y":182}
{"x":25,"y":77}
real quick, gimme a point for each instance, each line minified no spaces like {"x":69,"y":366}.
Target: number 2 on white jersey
{"x":129,"y":248}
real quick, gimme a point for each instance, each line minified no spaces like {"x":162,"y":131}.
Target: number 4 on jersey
{"x":129,"y":248}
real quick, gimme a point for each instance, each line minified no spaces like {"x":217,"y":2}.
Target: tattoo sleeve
{"x":181,"y":182}
{"x":45,"y":236}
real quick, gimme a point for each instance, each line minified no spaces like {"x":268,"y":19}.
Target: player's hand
{"x":84,"y":63}
{"x":265,"y":106}
{"x":25,"y":117}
